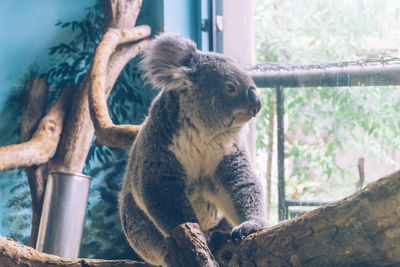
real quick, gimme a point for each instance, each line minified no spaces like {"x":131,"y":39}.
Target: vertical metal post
{"x":282,"y":208}
{"x":63,"y":214}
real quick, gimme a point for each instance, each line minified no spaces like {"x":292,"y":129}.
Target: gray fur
{"x":188,"y":163}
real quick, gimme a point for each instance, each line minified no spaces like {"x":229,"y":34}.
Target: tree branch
{"x":15,"y":254}
{"x":44,"y":141}
{"x":34,"y":100}
{"x":109,"y":57}
{"x":331,"y":235}
{"x":189,"y":247}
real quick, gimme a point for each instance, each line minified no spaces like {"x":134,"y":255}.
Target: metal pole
{"x":282,"y":209}
{"x":334,"y":76}
{"x":63,"y":214}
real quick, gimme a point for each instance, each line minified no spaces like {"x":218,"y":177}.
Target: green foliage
{"x":72,"y":60}
{"x":324,"y":124}
{"x":18,"y":209}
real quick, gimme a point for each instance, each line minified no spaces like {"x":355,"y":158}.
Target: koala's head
{"x":214,"y":90}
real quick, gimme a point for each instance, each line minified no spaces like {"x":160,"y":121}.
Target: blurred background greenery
{"x":328,"y":129}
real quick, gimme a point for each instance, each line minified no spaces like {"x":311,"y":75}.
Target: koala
{"x":189,"y":161}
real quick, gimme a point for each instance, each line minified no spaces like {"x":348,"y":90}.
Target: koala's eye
{"x":231,"y":89}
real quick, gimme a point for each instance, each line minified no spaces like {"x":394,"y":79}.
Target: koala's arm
{"x":163,"y":194}
{"x":244,"y":195}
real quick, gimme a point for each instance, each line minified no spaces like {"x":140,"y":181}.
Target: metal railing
{"x":370,"y":72}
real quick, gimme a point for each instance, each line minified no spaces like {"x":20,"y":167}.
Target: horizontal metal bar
{"x":294,"y":202}
{"x":331,"y":77}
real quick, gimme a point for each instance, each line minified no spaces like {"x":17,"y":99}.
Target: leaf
{"x":330,"y":148}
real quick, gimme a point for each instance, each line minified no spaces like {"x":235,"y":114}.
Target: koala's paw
{"x":241,"y":231}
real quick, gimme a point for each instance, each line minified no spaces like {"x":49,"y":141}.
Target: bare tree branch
{"x":44,"y":141}
{"x":108,"y":57}
{"x":34,"y":101}
{"x":15,"y":254}
{"x":189,"y":247}
{"x":360,"y":230}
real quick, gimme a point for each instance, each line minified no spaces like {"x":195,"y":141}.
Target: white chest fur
{"x":200,"y":153}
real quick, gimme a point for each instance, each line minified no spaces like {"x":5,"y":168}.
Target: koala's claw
{"x":241,"y":231}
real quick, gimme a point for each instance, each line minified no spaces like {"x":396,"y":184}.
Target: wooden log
{"x":17,"y":255}
{"x":360,"y":230}
{"x":188,"y":247}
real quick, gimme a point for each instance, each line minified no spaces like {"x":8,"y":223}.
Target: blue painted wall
{"x":184,"y":17}
{"x":27,"y":30}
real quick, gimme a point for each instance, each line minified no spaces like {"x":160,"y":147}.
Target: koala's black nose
{"x":255,"y":101}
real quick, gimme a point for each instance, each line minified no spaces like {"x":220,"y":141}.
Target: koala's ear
{"x":166,"y":61}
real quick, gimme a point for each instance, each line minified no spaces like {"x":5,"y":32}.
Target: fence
{"x":384,"y":71}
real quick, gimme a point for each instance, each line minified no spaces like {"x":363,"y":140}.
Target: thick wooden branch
{"x":33,"y":109}
{"x":44,"y":141}
{"x":114,"y":51}
{"x":17,"y":255}
{"x":121,"y":14}
{"x":190,"y":248}
{"x":361,"y":230}
{"x":34,"y":100}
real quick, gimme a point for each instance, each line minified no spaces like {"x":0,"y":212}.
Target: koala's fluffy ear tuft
{"x":166,"y":61}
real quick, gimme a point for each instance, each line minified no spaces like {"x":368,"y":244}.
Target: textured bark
{"x":361,"y":230}
{"x":17,"y":255}
{"x":190,"y":248}
{"x":34,"y":100}
{"x":44,"y":141}
{"x":77,"y":135}
{"x":33,"y":109}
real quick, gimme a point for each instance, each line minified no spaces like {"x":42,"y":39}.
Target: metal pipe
{"x":374,"y":75}
{"x":63,"y":214}
{"x":282,"y":208}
